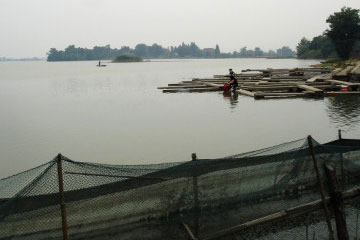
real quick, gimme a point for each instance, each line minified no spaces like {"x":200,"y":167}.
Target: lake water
{"x":117,"y":115}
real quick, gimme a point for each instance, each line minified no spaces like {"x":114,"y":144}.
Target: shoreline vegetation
{"x":341,"y":40}
{"x":155,"y":51}
{"x":334,"y":63}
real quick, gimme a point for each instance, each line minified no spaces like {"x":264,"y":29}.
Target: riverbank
{"x":348,"y":70}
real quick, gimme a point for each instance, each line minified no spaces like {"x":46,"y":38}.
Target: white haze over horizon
{"x":31,"y":27}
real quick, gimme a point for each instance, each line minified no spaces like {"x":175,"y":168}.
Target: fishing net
{"x":156,"y":201}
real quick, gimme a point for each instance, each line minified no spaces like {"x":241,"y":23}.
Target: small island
{"x":127,"y":58}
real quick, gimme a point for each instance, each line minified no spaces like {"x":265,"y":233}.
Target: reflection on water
{"x":117,"y":115}
{"x":344,"y":111}
{"x":77,"y":86}
{"x":232,"y":97}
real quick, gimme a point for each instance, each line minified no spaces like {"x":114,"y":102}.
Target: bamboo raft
{"x":273,"y":83}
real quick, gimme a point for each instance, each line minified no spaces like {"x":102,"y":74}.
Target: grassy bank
{"x":127,"y":58}
{"x":336,"y":63}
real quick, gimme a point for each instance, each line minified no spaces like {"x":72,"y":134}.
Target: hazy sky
{"x":31,"y":27}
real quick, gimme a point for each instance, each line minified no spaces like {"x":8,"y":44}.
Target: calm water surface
{"x":116,"y":115}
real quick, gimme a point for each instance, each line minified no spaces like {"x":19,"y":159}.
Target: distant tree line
{"x":72,"y":53}
{"x":257,"y":52}
{"x":341,"y":40}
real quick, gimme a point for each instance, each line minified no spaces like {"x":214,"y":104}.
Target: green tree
{"x":271,"y":53}
{"x":53,"y":55}
{"x":194,"y":50}
{"x":320,"y":47}
{"x":324,"y":45}
{"x":125,"y":50}
{"x":258,"y":52}
{"x":155,"y":51}
{"x":243,"y":52}
{"x":285,"y":51}
{"x":217,"y":50}
{"x":141,"y":50}
{"x":344,"y":30}
{"x":302,"y":48}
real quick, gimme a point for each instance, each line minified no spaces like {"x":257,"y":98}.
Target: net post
{"x":326,"y":210}
{"x":357,"y":224}
{"x":341,"y":161}
{"x":61,"y":196}
{"x":307,"y":228}
{"x":343,"y":180}
{"x":196,"y":198}
{"x":336,"y":202}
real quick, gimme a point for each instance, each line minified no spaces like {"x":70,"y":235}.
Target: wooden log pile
{"x":273,"y":83}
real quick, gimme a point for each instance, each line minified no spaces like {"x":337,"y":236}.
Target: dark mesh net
{"x":266,"y":194}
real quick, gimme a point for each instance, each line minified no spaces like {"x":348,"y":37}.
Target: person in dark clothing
{"x":233,"y":81}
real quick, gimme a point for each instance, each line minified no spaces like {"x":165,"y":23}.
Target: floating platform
{"x":273,"y":83}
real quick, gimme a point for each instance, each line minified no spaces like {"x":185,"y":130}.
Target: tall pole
{"x":326,"y":210}
{"x":196,"y":199}
{"x":61,"y":195}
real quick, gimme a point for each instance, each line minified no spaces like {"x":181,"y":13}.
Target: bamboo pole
{"x":61,"y":195}
{"x":341,"y":162}
{"x":356,"y":226}
{"x":336,"y":202}
{"x":245,"y":92}
{"x":307,"y":228}
{"x":201,"y":89}
{"x":326,"y":210}
{"x":184,"y":86}
{"x":188,"y":230}
{"x":291,"y":212}
{"x":116,"y":176}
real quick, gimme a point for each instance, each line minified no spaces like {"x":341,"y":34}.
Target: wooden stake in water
{"x":339,"y":133}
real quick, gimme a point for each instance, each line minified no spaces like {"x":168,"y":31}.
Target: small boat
{"x":100,"y":65}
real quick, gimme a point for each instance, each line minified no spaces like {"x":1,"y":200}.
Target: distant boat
{"x":100,"y":65}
